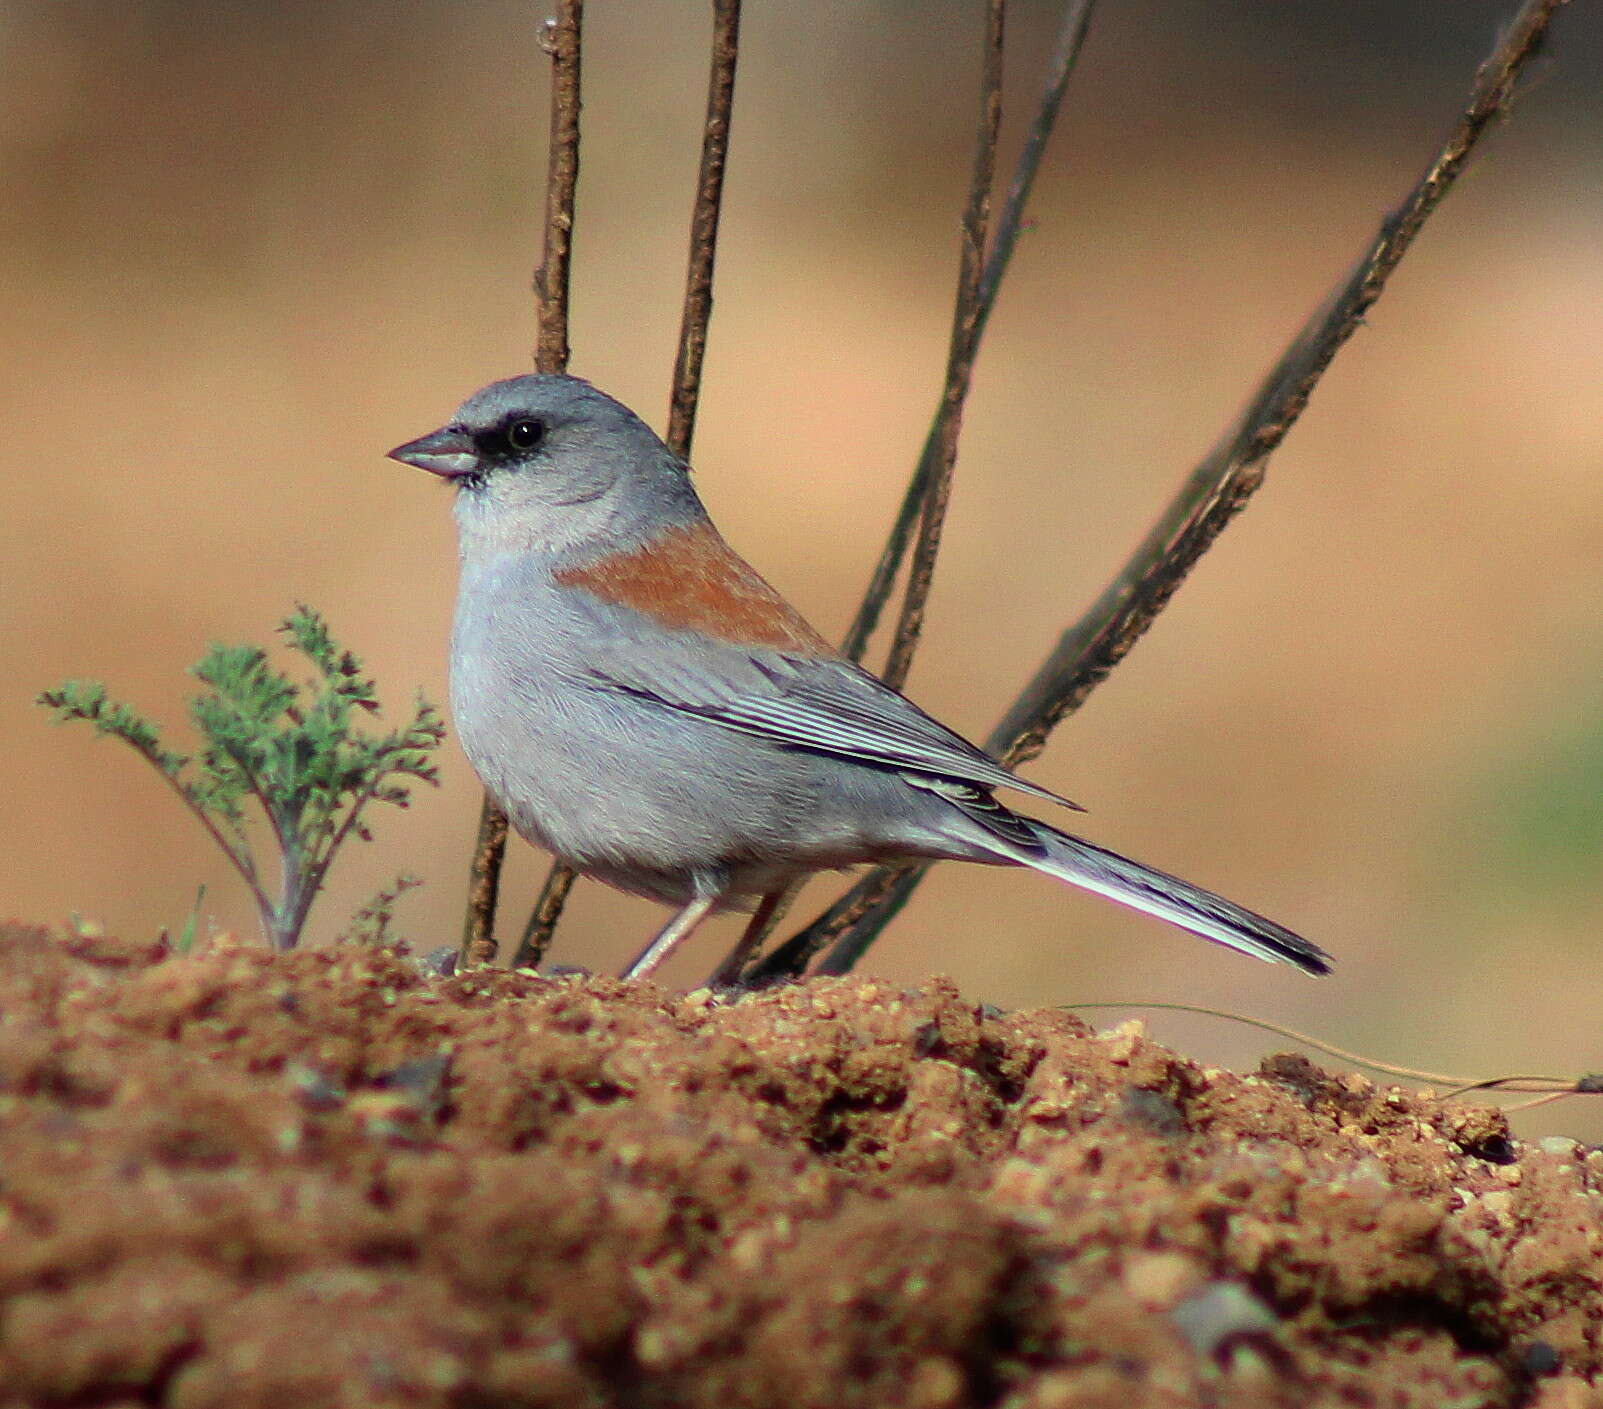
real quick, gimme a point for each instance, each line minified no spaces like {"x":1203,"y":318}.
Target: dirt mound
{"x":252,"y":1180}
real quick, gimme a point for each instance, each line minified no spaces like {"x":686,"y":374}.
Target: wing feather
{"x":830,"y":706}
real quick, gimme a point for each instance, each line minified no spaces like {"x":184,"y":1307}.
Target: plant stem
{"x":704,"y":228}
{"x":1072,"y":31}
{"x":966,"y":320}
{"x":563,"y":43}
{"x":688,"y":361}
{"x":1212,"y":494}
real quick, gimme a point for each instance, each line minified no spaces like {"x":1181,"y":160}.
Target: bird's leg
{"x":769,"y":912}
{"x":669,"y":935}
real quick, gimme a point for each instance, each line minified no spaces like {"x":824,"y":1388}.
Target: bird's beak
{"x":447,"y":452}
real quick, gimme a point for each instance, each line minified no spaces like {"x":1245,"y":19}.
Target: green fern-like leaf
{"x":87,"y":700}
{"x":296,"y":751}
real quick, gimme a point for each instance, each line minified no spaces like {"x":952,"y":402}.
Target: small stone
{"x":1215,"y":1316}
{"x":439,"y":962}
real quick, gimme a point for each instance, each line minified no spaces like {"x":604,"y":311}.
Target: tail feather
{"x":1169,"y":898}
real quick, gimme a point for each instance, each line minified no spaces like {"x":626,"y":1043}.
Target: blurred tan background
{"x":249,"y":247}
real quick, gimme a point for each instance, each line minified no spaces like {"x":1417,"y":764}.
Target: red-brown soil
{"x":247,"y":1180}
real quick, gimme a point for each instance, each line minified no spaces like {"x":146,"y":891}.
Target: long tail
{"x":1169,"y":898}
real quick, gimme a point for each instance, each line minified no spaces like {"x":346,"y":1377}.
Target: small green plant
{"x":296,"y":751}
{"x":185,"y":943}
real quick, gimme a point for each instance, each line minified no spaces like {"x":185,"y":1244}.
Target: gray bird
{"x":644,"y":706}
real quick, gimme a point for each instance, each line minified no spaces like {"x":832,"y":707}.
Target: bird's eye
{"x":525,"y":433}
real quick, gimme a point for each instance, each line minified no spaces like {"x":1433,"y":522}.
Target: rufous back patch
{"x":691,"y":580}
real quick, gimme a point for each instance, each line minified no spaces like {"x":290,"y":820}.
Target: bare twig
{"x":484,"y":886}
{"x":561,"y":186}
{"x":543,"y":918}
{"x":1219,"y":487}
{"x":687,"y":364}
{"x":1214,"y":492}
{"x":931,"y":490}
{"x":960,"y":357}
{"x":877,"y":892}
{"x":704,"y":228}
{"x":880,"y":895}
{"x":562,"y":42}
{"x":1071,"y":37}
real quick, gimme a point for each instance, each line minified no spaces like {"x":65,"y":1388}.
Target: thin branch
{"x":687,"y":364}
{"x":1071,"y":38}
{"x":881,"y":893}
{"x":1221,"y":485}
{"x":484,"y":886}
{"x":704,"y":228}
{"x":543,"y":918}
{"x":960,"y":358}
{"x":562,"y":42}
{"x":884,"y":891}
{"x":865,"y":910}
